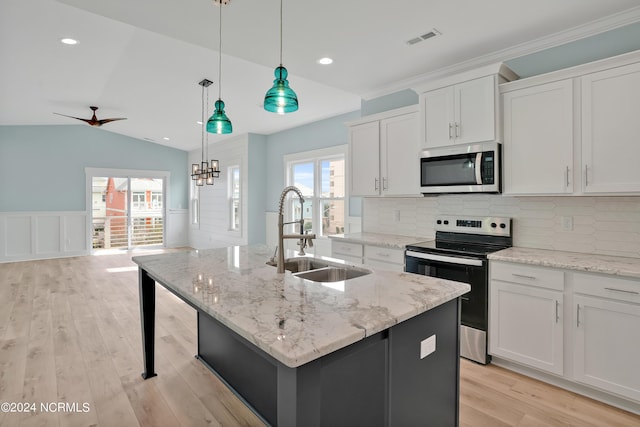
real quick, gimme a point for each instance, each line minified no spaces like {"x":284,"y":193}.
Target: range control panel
{"x":494,"y":226}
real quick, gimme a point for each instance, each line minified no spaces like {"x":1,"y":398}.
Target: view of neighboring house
{"x":127,"y":211}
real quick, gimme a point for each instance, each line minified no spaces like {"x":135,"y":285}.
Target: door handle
{"x":524,"y":276}
{"x":623,"y":290}
{"x":458,"y":130}
{"x":450,"y":130}
{"x":578,"y":316}
{"x":478,"y":168}
{"x":586,"y":175}
{"x":567,"y":176}
{"x":384,"y":183}
{"x":375,"y":185}
{"x":557,"y":313}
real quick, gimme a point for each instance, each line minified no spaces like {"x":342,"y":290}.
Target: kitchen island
{"x":377,"y":350}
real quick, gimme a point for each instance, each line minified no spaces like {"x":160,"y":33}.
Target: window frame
{"x":231,"y":199}
{"x":316,"y":157}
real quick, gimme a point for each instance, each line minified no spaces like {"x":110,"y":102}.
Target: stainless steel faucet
{"x":305,"y":238}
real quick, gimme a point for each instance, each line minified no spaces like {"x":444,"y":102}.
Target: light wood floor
{"x":70,"y":332}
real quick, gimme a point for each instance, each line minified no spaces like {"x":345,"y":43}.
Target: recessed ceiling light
{"x":199,"y":122}
{"x":325,"y":61}
{"x":67,"y":40}
{"x":166,"y":138}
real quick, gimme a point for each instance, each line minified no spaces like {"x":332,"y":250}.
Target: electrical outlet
{"x":566,"y":223}
{"x":427,"y":346}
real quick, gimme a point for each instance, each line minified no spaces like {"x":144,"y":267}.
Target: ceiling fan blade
{"x":93,"y":121}
{"x":77,"y":118}
{"x":103,"y":121}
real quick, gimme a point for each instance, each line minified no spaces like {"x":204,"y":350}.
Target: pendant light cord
{"x":202,"y":127}
{"x":220,"y":54}
{"x":281,"y":33}
{"x":206,"y":134}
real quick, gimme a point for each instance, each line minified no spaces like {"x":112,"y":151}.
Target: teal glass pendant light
{"x":219,"y":122}
{"x":281,"y":98}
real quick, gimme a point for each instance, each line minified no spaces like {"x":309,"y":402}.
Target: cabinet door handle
{"x":384,"y":183}
{"x":578,"y":316}
{"x":375,"y":184}
{"x":557,"y":312}
{"x":623,"y":290}
{"x":383,"y":255}
{"x":586,"y":175}
{"x":450,"y":130}
{"x":567,"y":176}
{"x":524,"y":276}
{"x":458,"y":130}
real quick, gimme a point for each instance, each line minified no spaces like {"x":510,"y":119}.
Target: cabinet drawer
{"x":384,"y":254}
{"x":382,"y":265}
{"x":344,"y":248}
{"x":622,"y":289}
{"x":528,"y":275}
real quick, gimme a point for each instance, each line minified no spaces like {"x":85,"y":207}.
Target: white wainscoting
{"x":39,"y":235}
{"x":177,"y":232}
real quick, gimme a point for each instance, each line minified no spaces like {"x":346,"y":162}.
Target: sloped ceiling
{"x":143,"y":59}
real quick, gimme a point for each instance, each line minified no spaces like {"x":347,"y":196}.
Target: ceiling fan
{"x":93,"y":121}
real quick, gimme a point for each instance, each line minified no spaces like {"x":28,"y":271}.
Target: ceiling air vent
{"x":424,"y":36}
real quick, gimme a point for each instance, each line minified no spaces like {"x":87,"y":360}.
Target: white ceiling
{"x":143,"y":59}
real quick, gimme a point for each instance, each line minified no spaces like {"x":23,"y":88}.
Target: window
{"x":156,"y":200}
{"x":320,"y":176}
{"x":138,"y":200}
{"x":195,"y":202}
{"x":234,"y":198}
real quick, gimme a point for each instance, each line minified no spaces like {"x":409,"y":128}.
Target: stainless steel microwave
{"x":463,"y":168}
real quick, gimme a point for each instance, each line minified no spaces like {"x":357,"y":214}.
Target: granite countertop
{"x":606,"y":264}
{"x":294,"y":320}
{"x":379,"y":239}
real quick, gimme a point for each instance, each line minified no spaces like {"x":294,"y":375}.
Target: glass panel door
{"x":127,"y":212}
{"x":147,"y":212}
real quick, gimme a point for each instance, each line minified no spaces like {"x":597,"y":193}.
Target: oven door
{"x":460,"y":269}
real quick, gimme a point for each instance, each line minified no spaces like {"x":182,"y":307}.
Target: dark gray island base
{"x":379,"y":381}
{"x":405,"y":375}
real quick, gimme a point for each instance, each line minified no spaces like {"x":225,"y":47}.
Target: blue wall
{"x":42,"y":167}
{"x":610,"y":43}
{"x":400,"y":99}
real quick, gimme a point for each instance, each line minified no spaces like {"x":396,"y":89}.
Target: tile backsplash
{"x":600,"y":225}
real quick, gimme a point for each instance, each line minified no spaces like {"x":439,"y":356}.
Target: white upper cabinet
{"x":538,"y":139}
{"x":611,"y":130}
{"x":574,"y":131}
{"x":399,"y":159}
{"x":462,"y":108}
{"x":364,"y":159}
{"x":461,"y":113}
{"x":384,"y":154}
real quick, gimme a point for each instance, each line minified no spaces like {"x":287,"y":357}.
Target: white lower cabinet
{"x":598,"y":339}
{"x":347,"y":251}
{"x":606,"y":347}
{"x":384,"y":258}
{"x":525,"y":322}
{"x":376,"y":256}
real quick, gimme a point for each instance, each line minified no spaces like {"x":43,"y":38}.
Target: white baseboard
{"x":599,"y":395}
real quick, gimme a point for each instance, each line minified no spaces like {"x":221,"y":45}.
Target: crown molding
{"x":592,"y":28}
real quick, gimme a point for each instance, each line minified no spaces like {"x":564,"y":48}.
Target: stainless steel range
{"x":459,"y":252}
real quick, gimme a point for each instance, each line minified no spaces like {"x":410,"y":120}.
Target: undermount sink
{"x":296,"y":265}
{"x":320,"y":271}
{"x":332,"y":274}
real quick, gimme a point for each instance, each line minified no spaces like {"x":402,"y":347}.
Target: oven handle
{"x":449,"y":259}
